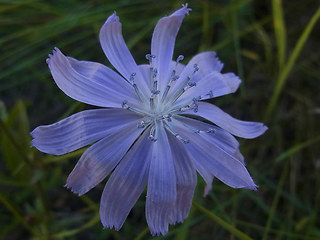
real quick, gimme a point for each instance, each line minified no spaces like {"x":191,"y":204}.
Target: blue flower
{"x":144,"y":131}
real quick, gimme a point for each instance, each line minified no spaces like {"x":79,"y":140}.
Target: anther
{"x":196,"y":68}
{"x":210,"y":130}
{"x":152,"y":101}
{"x":180,"y":58}
{"x":195,"y":105}
{"x":181,"y":139}
{"x":154,"y":79}
{"x":126,"y":106}
{"x":132,"y":77}
{"x":167,"y":117}
{"x":142,"y":124}
{"x":155,"y":92}
{"x":204,"y":96}
{"x":150,"y":57}
{"x":152,"y":133}
{"x":185,"y":85}
{"x":173,"y":78}
{"x":192,"y":84}
{"x":177,"y":135}
{"x":155,"y":72}
{"x":189,"y":85}
{"x":185,"y":108}
{"x":134,"y":85}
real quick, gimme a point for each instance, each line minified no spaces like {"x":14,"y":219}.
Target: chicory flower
{"x":147,"y":130}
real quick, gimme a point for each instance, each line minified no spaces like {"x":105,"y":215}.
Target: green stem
{"x":142,"y":234}
{"x":275,"y":201}
{"x":296,"y":148}
{"x":17,"y":215}
{"x":38,"y":187}
{"x":283,"y":75}
{"x":222,"y":223}
{"x":280,"y":31}
{"x":72,"y":232}
{"x":9,"y":135}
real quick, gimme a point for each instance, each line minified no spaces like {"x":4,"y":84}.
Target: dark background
{"x":255,"y":39}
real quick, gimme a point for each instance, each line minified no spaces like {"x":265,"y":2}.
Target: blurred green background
{"x":272,"y":45}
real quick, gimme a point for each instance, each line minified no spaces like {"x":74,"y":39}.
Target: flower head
{"x":144,"y":131}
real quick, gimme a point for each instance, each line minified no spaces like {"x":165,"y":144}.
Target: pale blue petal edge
{"x":162,"y":44}
{"x":216,"y":160}
{"x":126,"y":184}
{"x":117,"y":52}
{"x":79,"y":130}
{"x":89,"y":82}
{"x":244,"y":129}
{"x":161,"y":193}
{"x":101,"y":158}
{"x":186,"y":178}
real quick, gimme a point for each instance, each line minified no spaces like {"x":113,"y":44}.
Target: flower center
{"x":157,"y":110}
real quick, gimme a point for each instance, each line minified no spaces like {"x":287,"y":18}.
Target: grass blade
{"x":280,"y":31}
{"x":222,"y":223}
{"x":289,"y":65}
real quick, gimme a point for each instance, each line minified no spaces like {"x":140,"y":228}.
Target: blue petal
{"x":100,"y":159}
{"x":117,"y":52}
{"x":186,"y":178}
{"x":162,"y":44}
{"x":79,"y":130}
{"x":216,"y":160}
{"x":126,"y":184}
{"x":219,"y":136}
{"x":89,"y":82}
{"x":161,"y":195}
{"x":234,"y":126}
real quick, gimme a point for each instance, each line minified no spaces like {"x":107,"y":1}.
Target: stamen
{"x":185,"y":108}
{"x":153,"y":72}
{"x":173,"y":78}
{"x":152,"y":134}
{"x":193,"y":105}
{"x":134,"y":85}
{"x":154,"y":79}
{"x":152,"y":102}
{"x":179,"y":58}
{"x":209,"y":94}
{"x":179,"y":93}
{"x":167,"y":117}
{"x":189,"y":85}
{"x":125,"y":104}
{"x":177,"y":135}
{"x":149,"y":57}
{"x":138,"y":111}
{"x":155,"y":92}
{"x":152,"y":98}
{"x":185,"y":85}
{"x":142,"y":124}
{"x":210,"y":130}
